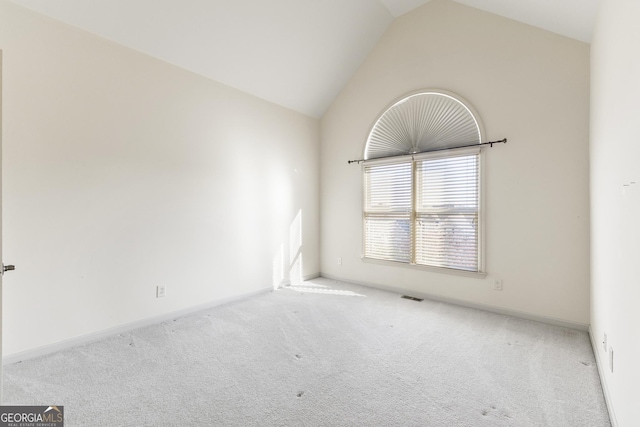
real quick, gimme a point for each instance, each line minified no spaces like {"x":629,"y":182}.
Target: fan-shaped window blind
{"x":426,"y":121}
{"x":424,"y":209}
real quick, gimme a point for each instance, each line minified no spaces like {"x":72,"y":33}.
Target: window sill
{"x":441,"y":270}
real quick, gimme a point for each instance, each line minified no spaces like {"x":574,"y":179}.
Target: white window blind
{"x":387,"y":212}
{"x":447,"y":212}
{"x":424,"y":211}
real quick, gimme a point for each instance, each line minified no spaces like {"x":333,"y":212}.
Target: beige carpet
{"x":324,"y":354}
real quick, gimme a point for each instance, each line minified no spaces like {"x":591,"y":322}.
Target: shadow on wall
{"x":289,"y":270}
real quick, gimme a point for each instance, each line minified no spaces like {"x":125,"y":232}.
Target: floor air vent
{"x":412,"y":298}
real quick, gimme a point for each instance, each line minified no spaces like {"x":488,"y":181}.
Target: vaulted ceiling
{"x":295,"y":53}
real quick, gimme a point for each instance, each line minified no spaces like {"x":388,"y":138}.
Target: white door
{"x":1,"y":226}
{"x":3,"y":268}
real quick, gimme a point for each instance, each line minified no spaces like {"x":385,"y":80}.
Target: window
{"x":421,"y":199}
{"x":424,"y":211}
{"x":388,"y":211}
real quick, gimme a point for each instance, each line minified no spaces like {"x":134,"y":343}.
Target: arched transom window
{"x":422,"y":184}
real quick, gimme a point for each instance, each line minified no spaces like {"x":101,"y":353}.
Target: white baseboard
{"x":603,"y":381}
{"x":95,"y":336}
{"x":515,"y":313}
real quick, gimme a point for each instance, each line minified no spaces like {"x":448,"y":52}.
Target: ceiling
{"x":295,"y":53}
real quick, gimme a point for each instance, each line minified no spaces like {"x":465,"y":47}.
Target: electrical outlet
{"x":339,"y":261}
{"x":497,"y":285}
{"x":604,"y":342}
{"x":161,"y":291}
{"x":611,"y":359}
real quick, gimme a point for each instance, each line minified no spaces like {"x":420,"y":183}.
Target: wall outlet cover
{"x":161,"y":291}
{"x":611,"y":359}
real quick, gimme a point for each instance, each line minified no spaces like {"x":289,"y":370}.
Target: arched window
{"x":422,"y":201}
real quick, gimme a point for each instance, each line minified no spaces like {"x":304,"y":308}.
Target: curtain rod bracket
{"x":503,"y":141}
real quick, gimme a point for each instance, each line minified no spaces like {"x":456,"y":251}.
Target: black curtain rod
{"x":490,"y":143}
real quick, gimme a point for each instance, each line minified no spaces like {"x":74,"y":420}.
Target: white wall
{"x":615,"y":202}
{"x":528,"y":85}
{"x":121,"y":172}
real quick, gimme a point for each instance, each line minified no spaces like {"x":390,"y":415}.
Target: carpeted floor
{"x":323,"y":354}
